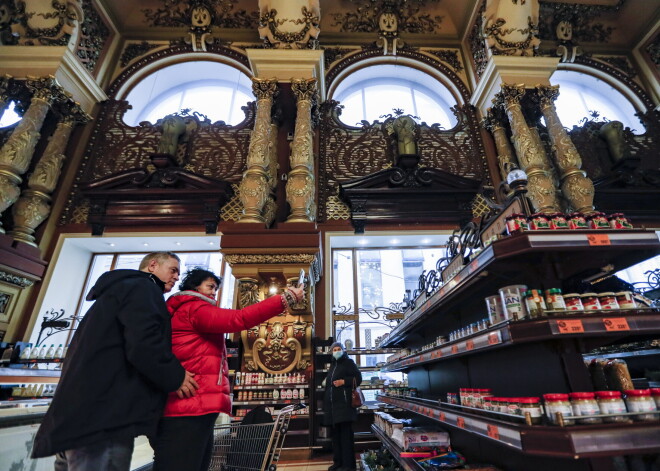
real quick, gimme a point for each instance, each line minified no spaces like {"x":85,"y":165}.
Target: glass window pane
{"x":228,"y":287}
{"x":100,"y":265}
{"x":10,"y":116}
{"x":342,"y":279}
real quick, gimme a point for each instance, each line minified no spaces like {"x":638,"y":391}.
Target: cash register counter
{"x":20,"y":419}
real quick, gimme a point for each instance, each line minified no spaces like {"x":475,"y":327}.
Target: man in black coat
{"x":117,"y":373}
{"x":338,"y":412}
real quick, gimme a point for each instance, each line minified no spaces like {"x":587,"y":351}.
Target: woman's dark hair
{"x":195,"y":277}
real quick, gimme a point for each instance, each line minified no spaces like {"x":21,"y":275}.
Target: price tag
{"x":460,"y":422}
{"x":469,"y":345}
{"x":442,"y":417}
{"x":474,"y":264}
{"x":493,"y":338}
{"x":598,"y":239}
{"x":570,"y":326}
{"x":614,"y":324}
{"x":493,"y":432}
{"x":454,"y":349}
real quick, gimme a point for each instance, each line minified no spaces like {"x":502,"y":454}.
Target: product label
{"x":613,"y":324}
{"x":612,"y":407}
{"x":640,"y":405}
{"x":533,"y":411}
{"x":552,"y":409}
{"x":586,"y":408}
{"x":570,"y":326}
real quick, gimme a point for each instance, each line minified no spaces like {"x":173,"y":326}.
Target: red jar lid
{"x":655,"y":391}
{"x":529,"y":400}
{"x":505,"y":399}
{"x":607,"y":394}
{"x":581,"y":395}
{"x":555,"y":397}
{"x":637,"y":392}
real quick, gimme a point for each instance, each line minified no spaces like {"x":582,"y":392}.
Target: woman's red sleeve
{"x":214,"y":320}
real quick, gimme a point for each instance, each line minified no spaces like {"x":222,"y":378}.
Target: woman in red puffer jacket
{"x":184,"y":440}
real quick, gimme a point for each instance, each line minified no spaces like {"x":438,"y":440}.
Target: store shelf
{"x":633,"y":354}
{"x":270,"y":386}
{"x":573,"y":442}
{"x":269,"y":403}
{"x":619,"y":323}
{"x":28,"y":375}
{"x":568,"y":252}
{"x":408,"y":464}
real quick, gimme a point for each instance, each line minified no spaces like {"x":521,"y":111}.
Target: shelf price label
{"x":598,"y":239}
{"x":570,"y":326}
{"x":442,"y":417}
{"x":460,"y":422}
{"x":454,"y":349}
{"x":493,"y":338}
{"x":469,"y":345}
{"x":615,"y":324}
{"x":493,"y":431}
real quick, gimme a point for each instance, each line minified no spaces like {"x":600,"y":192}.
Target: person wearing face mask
{"x":184,"y":440}
{"x":117,"y":372}
{"x":337,"y":409}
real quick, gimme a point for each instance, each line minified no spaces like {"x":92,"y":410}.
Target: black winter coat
{"x":118,"y":369}
{"x":337,"y":400}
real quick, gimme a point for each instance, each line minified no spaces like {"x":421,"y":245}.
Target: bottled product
{"x":625,"y":300}
{"x":25,"y":354}
{"x":573,"y":302}
{"x":577,"y":221}
{"x":539,"y":221}
{"x":301,"y":393}
{"x":35,"y":353}
{"x":50,"y":353}
{"x":59,"y":352}
{"x":610,"y":402}
{"x":65,"y":350}
{"x":619,"y":221}
{"x":655,"y":394}
{"x":598,"y":220}
{"x":238,"y":378}
{"x":590,"y":301}
{"x":584,"y":404}
{"x":640,"y":400}
{"x":558,"y":221}
{"x":42,"y":352}
{"x":512,"y":300}
{"x":531,"y":406}
{"x":554,"y":299}
{"x":618,"y":376}
{"x":535,"y":303}
{"x":276,"y":394}
{"x":608,"y":300}
{"x":558,"y":403}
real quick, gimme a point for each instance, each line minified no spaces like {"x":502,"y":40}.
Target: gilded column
{"x":577,"y":188}
{"x":5,"y":81}
{"x":506,"y":158}
{"x":531,"y":156}
{"x":16,"y":153}
{"x":255,"y":187}
{"x":33,"y":207}
{"x":300,"y":184}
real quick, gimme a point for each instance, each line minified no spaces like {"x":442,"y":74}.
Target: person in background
{"x":117,"y":373}
{"x":338,"y":412}
{"x":185,"y":433}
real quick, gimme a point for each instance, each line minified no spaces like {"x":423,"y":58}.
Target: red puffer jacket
{"x":198,"y":329}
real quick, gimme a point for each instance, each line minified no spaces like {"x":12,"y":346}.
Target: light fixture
{"x":426,"y":241}
{"x":177,"y":243}
{"x":211,"y":243}
{"x":145,"y":244}
{"x":363,"y":242}
{"x":111,"y":244}
{"x":394,"y":241}
{"x":272,"y":288}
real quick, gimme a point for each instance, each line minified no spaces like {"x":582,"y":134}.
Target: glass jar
{"x":555,"y":403}
{"x":618,"y":376}
{"x":610,"y":402}
{"x":619,"y":221}
{"x":573,"y":302}
{"x":640,"y":400}
{"x":487,"y":404}
{"x":539,"y":221}
{"x":554,"y":299}
{"x":531,"y":405}
{"x":504,"y":405}
{"x":625,"y":300}
{"x":513,"y":406}
{"x":584,"y":404}
{"x":558,"y":221}
{"x":577,"y":221}
{"x":590,"y":301}
{"x":535,"y":303}
{"x":598,"y":220}
{"x":516,"y":223}
{"x":608,"y":300}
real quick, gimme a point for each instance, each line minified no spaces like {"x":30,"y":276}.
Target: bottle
{"x":42,"y":352}
{"x":50,"y":353}
{"x":25,"y":354}
{"x":238,"y":378}
{"x":301,"y":393}
{"x":276,"y":394}
{"x":7,"y":354}
{"x":59,"y":352}
{"x":35,"y":353}
{"x":65,"y":350}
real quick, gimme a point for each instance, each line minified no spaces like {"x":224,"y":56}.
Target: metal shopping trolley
{"x":251,"y":447}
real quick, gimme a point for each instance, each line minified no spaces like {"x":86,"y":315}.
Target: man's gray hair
{"x":160,"y":257}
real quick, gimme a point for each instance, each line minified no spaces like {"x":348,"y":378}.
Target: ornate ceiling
{"x":618,"y":24}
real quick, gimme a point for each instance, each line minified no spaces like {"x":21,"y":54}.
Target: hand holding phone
{"x":301,"y":279}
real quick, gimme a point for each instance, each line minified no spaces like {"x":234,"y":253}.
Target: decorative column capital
{"x":46,"y":89}
{"x":492,"y":122}
{"x":5,"y":83}
{"x":305,"y":89}
{"x":512,"y":94}
{"x":548,"y":94}
{"x":264,"y":89}
{"x":74,"y":114}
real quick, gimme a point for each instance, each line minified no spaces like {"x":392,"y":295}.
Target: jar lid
{"x":617,"y":215}
{"x":504,"y":399}
{"x":571,"y":295}
{"x":529,"y":400}
{"x":539,"y":215}
{"x":590,"y":295}
{"x":607,"y":394}
{"x":575,"y":214}
{"x":555,"y":397}
{"x":637,"y":392}
{"x":581,"y":395}
{"x":655,"y":391}
{"x":607,"y":293}
{"x":623,"y":293}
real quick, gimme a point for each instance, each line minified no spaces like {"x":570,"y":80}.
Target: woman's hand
{"x":299,"y":293}
{"x":338,"y":382}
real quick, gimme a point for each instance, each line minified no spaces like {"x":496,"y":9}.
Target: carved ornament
{"x":259,"y":259}
{"x":289,"y":33}
{"x":45,"y":23}
{"x":20,"y":281}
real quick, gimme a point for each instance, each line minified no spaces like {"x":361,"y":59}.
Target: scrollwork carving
{"x":289,"y":33}
{"x":236,"y":259}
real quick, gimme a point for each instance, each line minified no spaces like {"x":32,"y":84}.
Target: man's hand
{"x":338,"y":382}
{"x":188,"y":387}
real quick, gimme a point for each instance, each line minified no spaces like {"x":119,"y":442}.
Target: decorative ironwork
{"x":477,"y":44}
{"x":336,"y":209}
{"x":54,"y":322}
{"x":333,"y":54}
{"x":367,"y":15}
{"x":94,"y":35}
{"x":135,"y":50}
{"x":449,"y":56}
{"x":653,"y":50}
{"x":345,"y":316}
{"x":233,"y":210}
{"x":580,"y":16}
{"x":178,"y":13}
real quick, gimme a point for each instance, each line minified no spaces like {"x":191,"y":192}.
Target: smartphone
{"x":301,"y":278}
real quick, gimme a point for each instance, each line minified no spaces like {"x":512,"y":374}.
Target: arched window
{"x":211,"y":88}
{"x":580,"y":94}
{"x":10,"y":116}
{"x":376,"y":90}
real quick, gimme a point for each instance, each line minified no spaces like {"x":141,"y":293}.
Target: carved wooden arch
{"x":134,"y":73}
{"x":613,"y":77}
{"x":415,"y":58}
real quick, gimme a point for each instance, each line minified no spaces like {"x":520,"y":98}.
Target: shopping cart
{"x":252,"y":447}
